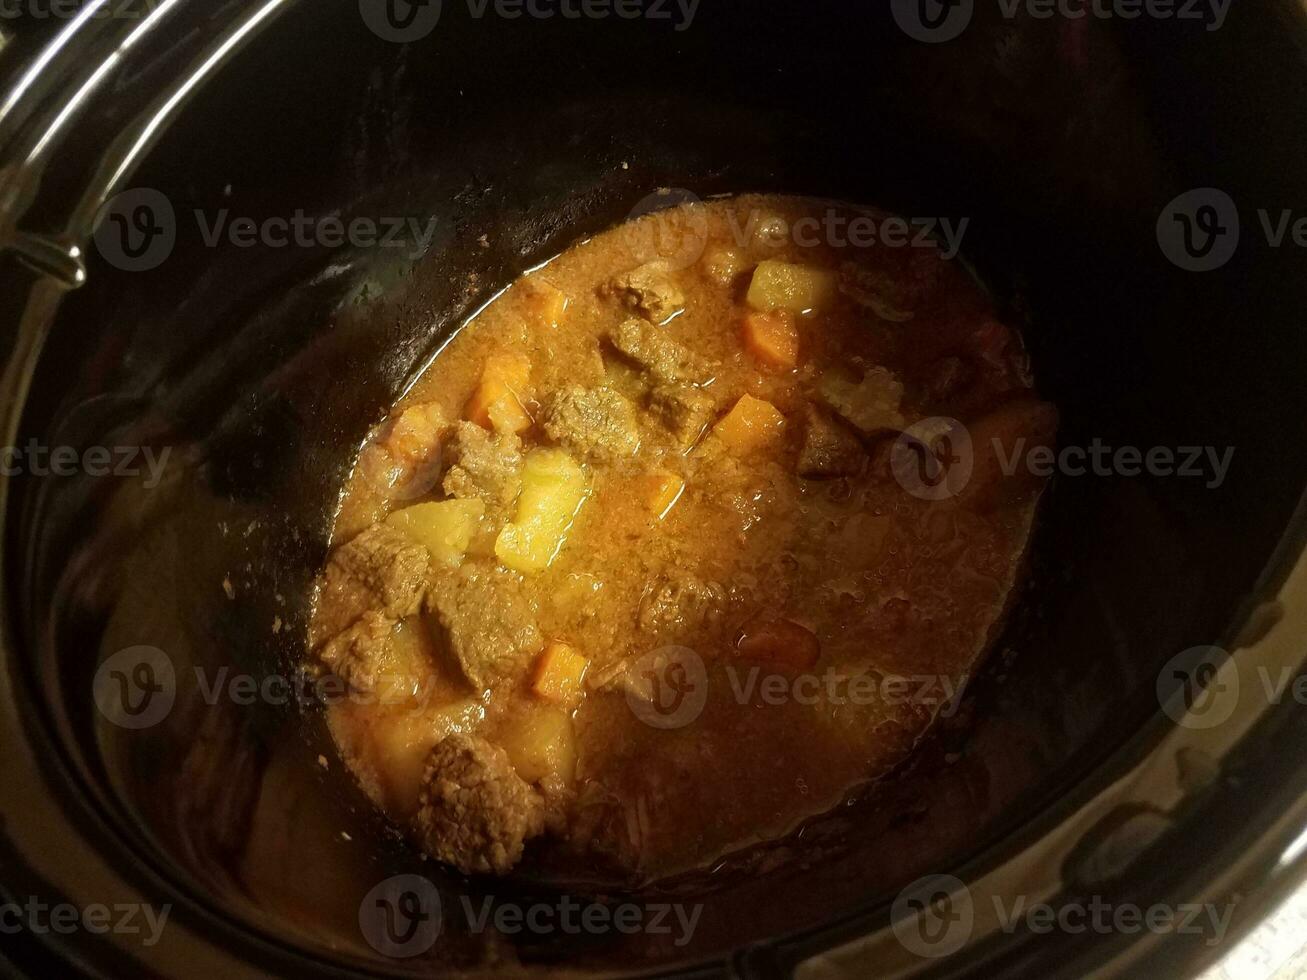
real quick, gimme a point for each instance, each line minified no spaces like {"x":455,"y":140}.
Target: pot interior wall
{"x":261,"y":370}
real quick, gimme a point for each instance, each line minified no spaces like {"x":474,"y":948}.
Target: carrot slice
{"x":497,"y":402}
{"x":772,"y":338}
{"x":751,"y":425}
{"x":780,"y":643}
{"x":559,"y":672}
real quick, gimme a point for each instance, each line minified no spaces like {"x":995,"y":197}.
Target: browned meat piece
{"x":489,"y":622}
{"x":355,"y":655}
{"x":648,"y":290}
{"x":483,"y":465}
{"x":595,"y":422}
{"x":829,"y":449}
{"x":684,"y":410}
{"x":679,"y":603}
{"x":872,"y":405}
{"x":663,"y":358}
{"x":475,"y":812}
{"x":381,"y":570}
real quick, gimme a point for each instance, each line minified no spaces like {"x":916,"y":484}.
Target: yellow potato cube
{"x":800,"y":289}
{"x":540,"y":743}
{"x":558,"y":673}
{"x":553,"y":489}
{"x":445,"y":528}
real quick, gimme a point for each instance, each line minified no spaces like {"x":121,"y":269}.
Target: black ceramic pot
{"x":251,"y":374}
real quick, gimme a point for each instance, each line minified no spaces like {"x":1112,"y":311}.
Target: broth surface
{"x":644,"y":569}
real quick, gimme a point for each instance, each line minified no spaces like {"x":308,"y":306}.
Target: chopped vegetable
{"x":870,"y":405}
{"x":780,"y":643}
{"x":545,"y":303}
{"x":497,"y":402}
{"x":553,"y":488}
{"x":772,"y":338}
{"x":558,"y":673}
{"x":723,"y":264}
{"x":446,"y":528}
{"x":799,"y":289}
{"x":751,"y":425}
{"x":540,"y":742}
{"x":661,"y":492}
{"x":415,"y":434}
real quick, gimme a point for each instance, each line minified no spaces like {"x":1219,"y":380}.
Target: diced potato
{"x":540,"y":743}
{"x":772,"y":338}
{"x":553,"y":489}
{"x":751,"y":425}
{"x":780,"y":643}
{"x":403,"y":739}
{"x":545,"y":303}
{"x":799,"y":289}
{"x":446,"y":528}
{"x":870,"y":405}
{"x":558,"y":673}
{"x":661,"y":492}
{"x":497,"y":402}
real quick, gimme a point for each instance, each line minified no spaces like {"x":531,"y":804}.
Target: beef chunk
{"x":660,"y":356}
{"x":474,"y":811}
{"x":489,"y":623}
{"x":356,"y":655}
{"x":684,"y":410}
{"x":595,"y":422}
{"x":381,"y":570}
{"x":648,"y":290}
{"x":829,"y":448}
{"x":484,"y":466}
{"x":679,"y":603}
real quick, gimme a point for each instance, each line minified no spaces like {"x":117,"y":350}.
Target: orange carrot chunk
{"x":751,"y":425}
{"x":558,"y":673}
{"x":780,"y":643}
{"x":497,"y":402}
{"x":772,"y":338}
